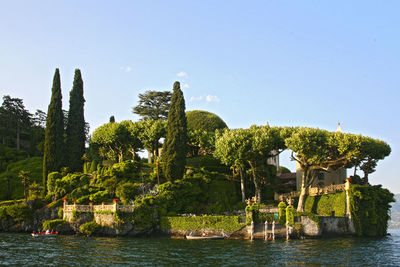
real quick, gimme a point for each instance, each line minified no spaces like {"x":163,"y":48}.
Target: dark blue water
{"x":22,"y":250}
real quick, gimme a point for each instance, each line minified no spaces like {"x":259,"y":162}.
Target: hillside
{"x":395,"y":220}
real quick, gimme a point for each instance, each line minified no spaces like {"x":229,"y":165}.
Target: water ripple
{"x":22,"y":250}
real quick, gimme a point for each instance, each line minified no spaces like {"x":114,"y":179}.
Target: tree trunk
{"x":257,"y":188}
{"x":242,"y":184}
{"x":303,"y":191}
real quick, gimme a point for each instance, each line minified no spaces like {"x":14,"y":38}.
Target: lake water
{"x":23,"y":250}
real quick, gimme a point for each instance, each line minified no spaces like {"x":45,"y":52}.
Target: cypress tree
{"x":54,"y":133}
{"x":174,"y":148}
{"x":75,"y":145}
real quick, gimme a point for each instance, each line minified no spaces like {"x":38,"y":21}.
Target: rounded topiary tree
{"x":201,"y":129}
{"x":204,"y":120}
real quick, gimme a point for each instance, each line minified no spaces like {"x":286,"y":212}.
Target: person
{"x":47,"y":231}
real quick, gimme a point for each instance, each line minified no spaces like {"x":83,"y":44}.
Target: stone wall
{"x":328,"y":226}
{"x":103,"y":214}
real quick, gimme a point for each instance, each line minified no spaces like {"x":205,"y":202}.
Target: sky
{"x":286,"y":63}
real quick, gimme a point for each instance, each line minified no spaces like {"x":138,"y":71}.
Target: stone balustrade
{"x":314,"y":191}
{"x":98,"y":208}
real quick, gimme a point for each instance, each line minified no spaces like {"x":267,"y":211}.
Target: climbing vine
{"x":370,"y":207}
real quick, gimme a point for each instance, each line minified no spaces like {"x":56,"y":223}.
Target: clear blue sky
{"x":294,"y":63}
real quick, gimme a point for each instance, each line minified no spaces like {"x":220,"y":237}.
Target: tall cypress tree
{"x":54,"y":133}
{"x":75,"y":146}
{"x":174,"y":149}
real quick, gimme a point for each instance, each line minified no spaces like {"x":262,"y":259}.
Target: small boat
{"x":45,"y":234}
{"x":193,"y":237}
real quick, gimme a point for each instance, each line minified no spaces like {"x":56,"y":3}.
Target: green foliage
{"x":310,"y":215}
{"x":8,"y":155}
{"x":15,"y":122}
{"x":153,"y":105}
{"x":117,"y":141}
{"x":53,"y":224}
{"x":60,"y":213}
{"x":283,"y":169}
{"x":225,"y":223}
{"x":127,"y":192}
{"x":76,"y":138}
{"x":290,"y":214}
{"x":90,"y":228}
{"x":282,"y":212}
{"x":150,"y":134}
{"x":126,"y":170}
{"x":51,"y":182}
{"x":252,"y":212}
{"x":326,"y":204}
{"x":174,"y":148}
{"x":100,"y":196}
{"x":209,"y":163}
{"x":204,"y":120}
{"x":18,"y":212}
{"x":54,"y":134}
{"x":12,"y":188}
{"x":370,"y":209}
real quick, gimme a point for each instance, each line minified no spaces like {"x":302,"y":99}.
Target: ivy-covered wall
{"x":370,"y":207}
{"x":326,"y":204}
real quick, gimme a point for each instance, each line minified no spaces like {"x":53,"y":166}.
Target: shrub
{"x":252,"y":212}
{"x":290,"y":215}
{"x":99,"y":196}
{"x":90,"y":228}
{"x":127,"y":192}
{"x":282,"y":212}
{"x":17,"y":212}
{"x":225,"y":223}
{"x":53,"y":224}
{"x":125,"y":170}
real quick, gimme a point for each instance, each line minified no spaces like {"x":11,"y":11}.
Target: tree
{"x":204,"y":120}
{"x":315,"y":150}
{"x":150,"y":134}
{"x":231,"y":148}
{"x":117,"y":141}
{"x":370,"y":153}
{"x":266,"y":142}
{"x":153,"y":105}
{"x":75,"y":145}
{"x":174,"y":148}
{"x":112,"y":118}
{"x":25,"y":179}
{"x":14,"y":119}
{"x":54,"y":133}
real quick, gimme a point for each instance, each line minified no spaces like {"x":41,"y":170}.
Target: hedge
{"x":226,"y":223}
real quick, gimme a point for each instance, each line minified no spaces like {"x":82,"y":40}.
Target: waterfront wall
{"x":103,"y":214}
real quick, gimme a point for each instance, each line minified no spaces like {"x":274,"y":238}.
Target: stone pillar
{"x":287,"y":230}
{"x":252,"y":230}
{"x":266,"y":230}
{"x":273,"y":230}
{"x":347,"y":188}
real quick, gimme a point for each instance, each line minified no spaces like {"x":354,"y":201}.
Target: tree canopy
{"x":204,"y":121}
{"x":153,"y":105}
{"x":315,"y":150}
{"x":117,"y":141}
